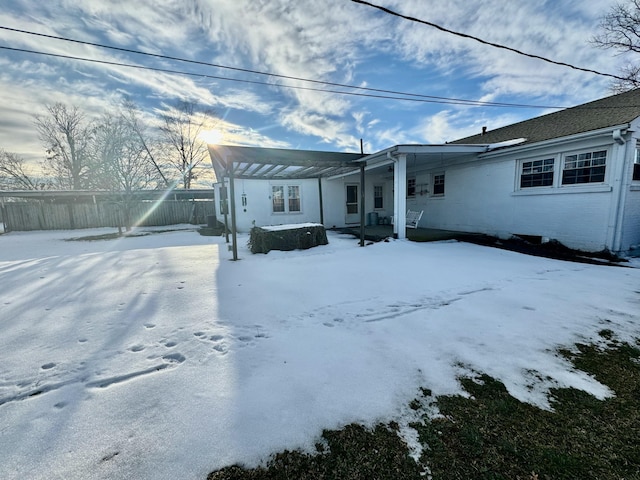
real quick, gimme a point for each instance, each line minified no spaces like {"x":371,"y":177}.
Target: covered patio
{"x":402,"y":160}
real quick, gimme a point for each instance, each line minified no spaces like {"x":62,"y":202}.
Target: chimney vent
{"x":484,"y":130}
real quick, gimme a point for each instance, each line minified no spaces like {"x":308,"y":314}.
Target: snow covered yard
{"x":156,"y":357}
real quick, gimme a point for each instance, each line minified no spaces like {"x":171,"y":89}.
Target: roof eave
{"x":382,"y":157}
{"x":554,"y":141}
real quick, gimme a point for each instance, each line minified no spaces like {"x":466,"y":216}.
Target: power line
{"x":296,"y":87}
{"x":255,"y":82}
{"x":434,"y":99}
{"x":485,"y":42}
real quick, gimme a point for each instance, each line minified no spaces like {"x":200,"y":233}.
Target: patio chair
{"x":413,"y":218}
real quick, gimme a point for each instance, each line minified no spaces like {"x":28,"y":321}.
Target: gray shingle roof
{"x":607,"y":112}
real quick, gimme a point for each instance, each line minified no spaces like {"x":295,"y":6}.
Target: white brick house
{"x":571,"y":176}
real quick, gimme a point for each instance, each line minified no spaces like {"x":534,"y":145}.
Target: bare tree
{"x":181,"y":129}
{"x":13,"y":173}
{"x":621,"y":32}
{"x":66,"y":135}
{"x":121,"y":162}
{"x":132,"y":117}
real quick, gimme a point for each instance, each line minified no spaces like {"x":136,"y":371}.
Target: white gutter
{"x":551,"y":142}
{"x":381,"y":158}
{"x":617,"y":136}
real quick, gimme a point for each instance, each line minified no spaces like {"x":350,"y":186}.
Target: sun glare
{"x":212,"y":136}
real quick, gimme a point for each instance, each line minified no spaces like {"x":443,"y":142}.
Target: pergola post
{"x":232,"y":195}
{"x":320,"y":198}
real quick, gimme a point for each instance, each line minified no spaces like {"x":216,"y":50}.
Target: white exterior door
{"x":352,"y":206}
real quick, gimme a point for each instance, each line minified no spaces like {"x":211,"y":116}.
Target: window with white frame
{"x":285,"y":199}
{"x":378,"y":198}
{"x":537,"y":173}
{"x":411,"y":187}
{"x":438,"y":184}
{"x":294,"y":198}
{"x":587,"y":167}
{"x":636,"y":166}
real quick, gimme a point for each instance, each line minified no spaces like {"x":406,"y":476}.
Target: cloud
{"x":453,"y":124}
{"x":328,"y":130}
{"x":339,"y":42}
{"x":554,"y":30}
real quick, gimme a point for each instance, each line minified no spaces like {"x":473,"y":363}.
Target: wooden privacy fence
{"x":39,"y":215}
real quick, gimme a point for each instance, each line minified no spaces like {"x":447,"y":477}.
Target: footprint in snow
{"x":249,"y":340}
{"x":174,"y":357}
{"x":221,"y":349}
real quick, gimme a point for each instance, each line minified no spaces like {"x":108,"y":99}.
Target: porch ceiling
{"x":280,"y":164}
{"x":420,"y":157}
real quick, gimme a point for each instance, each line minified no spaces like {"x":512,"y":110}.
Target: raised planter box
{"x":287,"y":237}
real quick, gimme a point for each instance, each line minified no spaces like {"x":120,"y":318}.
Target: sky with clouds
{"x":336,"y":41}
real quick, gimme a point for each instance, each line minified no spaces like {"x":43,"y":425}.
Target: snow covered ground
{"x":156,"y":357}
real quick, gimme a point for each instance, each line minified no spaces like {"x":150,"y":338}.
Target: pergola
{"x":235,"y":162}
{"x":278,"y":163}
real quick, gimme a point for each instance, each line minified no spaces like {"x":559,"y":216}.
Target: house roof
{"x":611,"y":111}
{"x":279,"y":163}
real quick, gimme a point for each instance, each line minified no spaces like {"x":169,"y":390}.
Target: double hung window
{"x":378,"y":197}
{"x":438,"y":184}
{"x":285,"y":199}
{"x":587,"y":167}
{"x":411,"y":187}
{"x":537,"y":173}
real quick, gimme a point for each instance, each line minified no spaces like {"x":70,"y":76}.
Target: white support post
{"x":400,"y":196}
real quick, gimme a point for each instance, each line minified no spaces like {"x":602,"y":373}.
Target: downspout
{"x":616,"y":243}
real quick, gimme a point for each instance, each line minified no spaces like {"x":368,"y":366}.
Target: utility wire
{"x":435,"y":99}
{"x":297,"y":87}
{"x":485,"y":42}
